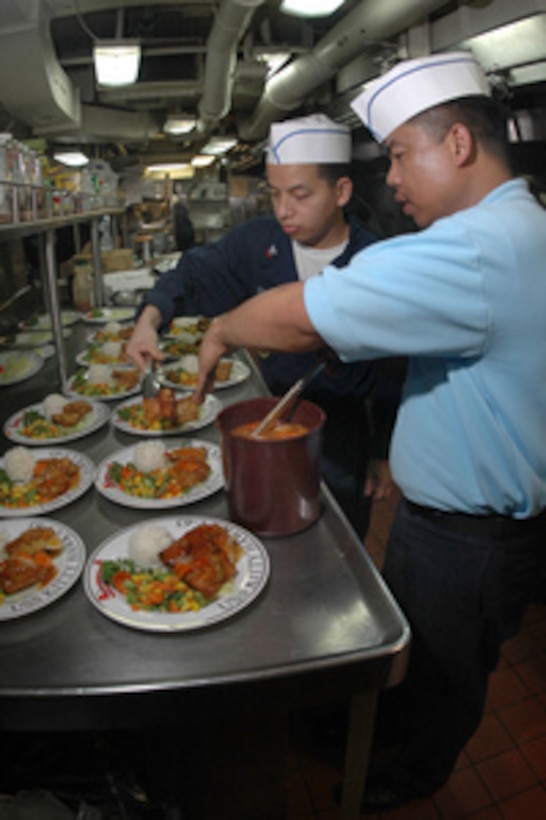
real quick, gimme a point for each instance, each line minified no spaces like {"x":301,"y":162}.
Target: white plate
{"x":13,"y":428}
{"x":69,"y":562}
{"x":17,"y":367}
{"x":36,"y":338}
{"x":239,"y":372}
{"x":43,"y":322}
{"x":213,"y":483}
{"x":253,"y":570}
{"x":207,"y":413}
{"x":71,"y":390}
{"x":47,"y":351}
{"x":99,"y":316}
{"x":87,"y":476}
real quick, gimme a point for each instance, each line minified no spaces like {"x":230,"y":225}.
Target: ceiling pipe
{"x":368,"y":23}
{"x":100,"y":124}
{"x":230,"y":24}
{"x":34,"y":88}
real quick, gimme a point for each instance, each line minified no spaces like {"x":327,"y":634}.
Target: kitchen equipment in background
{"x":127,"y":287}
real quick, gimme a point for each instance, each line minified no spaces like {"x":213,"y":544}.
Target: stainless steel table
{"x":325,"y":628}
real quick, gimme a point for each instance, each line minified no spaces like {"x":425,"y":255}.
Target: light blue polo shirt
{"x":466,"y":300}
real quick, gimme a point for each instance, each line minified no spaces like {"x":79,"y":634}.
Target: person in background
{"x":308,"y":174}
{"x":465,"y":299}
{"x":184,"y":233}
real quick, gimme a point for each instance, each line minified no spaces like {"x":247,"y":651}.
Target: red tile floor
{"x":502,"y":771}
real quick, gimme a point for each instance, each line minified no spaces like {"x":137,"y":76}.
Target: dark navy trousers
{"x":462,"y":595}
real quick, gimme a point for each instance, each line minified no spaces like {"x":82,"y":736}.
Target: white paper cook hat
{"x":413,"y":86}
{"x":315,"y":138}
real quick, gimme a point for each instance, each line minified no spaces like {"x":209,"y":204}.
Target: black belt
{"x":481,"y":525}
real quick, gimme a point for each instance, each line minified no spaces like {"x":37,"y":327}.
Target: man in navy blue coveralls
{"x":307,"y":169}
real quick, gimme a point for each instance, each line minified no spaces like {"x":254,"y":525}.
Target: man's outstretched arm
{"x":275,"y":320}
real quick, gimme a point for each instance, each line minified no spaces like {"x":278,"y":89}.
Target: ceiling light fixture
{"x":177,"y":124}
{"x":174,"y":170}
{"x":202,"y":160}
{"x":310,"y":8}
{"x":219,"y":145}
{"x":117,"y":62}
{"x":74,"y":159}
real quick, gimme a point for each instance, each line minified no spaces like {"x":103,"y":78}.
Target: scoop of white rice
{"x":150,"y":455}
{"x":112,"y":349}
{"x":99,"y":374}
{"x":184,"y":337}
{"x":186,"y":321}
{"x":19,"y":464}
{"x":112,"y":327}
{"x":145,"y":545}
{"x":54,"y":404}
{"x":189,"y":363}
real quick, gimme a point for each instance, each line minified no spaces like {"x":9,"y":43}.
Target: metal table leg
{"x":54,"y":304}
{"x":357,"y":754}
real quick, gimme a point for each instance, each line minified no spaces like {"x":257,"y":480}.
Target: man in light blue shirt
{"x":465,"y":299}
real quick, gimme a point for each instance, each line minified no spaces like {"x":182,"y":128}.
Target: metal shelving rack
{"x":45,"y":229}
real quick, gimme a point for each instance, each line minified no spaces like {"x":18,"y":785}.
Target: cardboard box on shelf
{"x":111,"y":261}
{"x":119,"y":259}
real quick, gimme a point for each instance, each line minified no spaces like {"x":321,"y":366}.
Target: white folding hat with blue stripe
{"x":315,"y":138}
{"x":413,"y":86}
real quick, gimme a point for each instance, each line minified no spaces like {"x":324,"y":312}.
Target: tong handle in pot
{"x":275,"y":413}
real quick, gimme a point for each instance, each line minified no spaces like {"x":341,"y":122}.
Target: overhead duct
{"x":367,"y":24}
{"x":230,"y":23}
{"x":34,"y":87}
{"x":100,"y":124}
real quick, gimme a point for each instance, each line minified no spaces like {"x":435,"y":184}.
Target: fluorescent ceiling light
{"x":202,"y":160}
{"x":176,"y":170}
{"x":219,"y":145}
{"x":179,"y":124}
{"x":74,"y":159}
{"x":116,"y":61}
{"x":310,"y":8}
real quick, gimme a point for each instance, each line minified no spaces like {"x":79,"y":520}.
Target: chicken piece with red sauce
{"x":204,"y":557}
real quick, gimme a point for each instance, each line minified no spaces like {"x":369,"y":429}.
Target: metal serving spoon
{"x":297,"y":388}
{"x":151,"y":383}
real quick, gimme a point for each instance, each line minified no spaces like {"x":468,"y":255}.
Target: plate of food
{"x":176,"y":574}
{"x":175,"y":348}
{"x":167,"y":413}
{"x":111,"y":332}
{"x":31,"y":338}
{"x":104,"y":382}
{"x":18,"y":366}
{"x":182,"y":374}
{"x":106,"y":353}
{"x":188,"y":327}
{"x":56,"y":420}
{"x":152,"y":475}
{"x":102,"y":315}
{"x":43,"y":321}
{"x":34,"y":483}
{"x":40,"y":560}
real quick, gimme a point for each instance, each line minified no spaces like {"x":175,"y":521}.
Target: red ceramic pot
{"x":273,"y":486}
